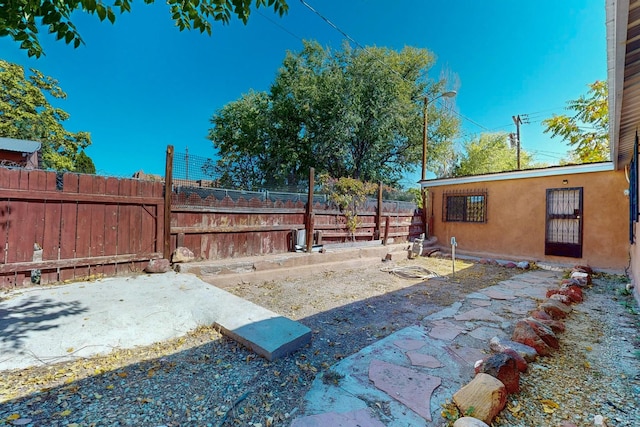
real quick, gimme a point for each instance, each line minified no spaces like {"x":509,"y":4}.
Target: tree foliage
{"x":489,"y":153}
{"x":349,"y":113}
{"x":25,"y":113}
{"x":587,"y":129}
{"x":349,"y":195}
{"x":18,"y":18}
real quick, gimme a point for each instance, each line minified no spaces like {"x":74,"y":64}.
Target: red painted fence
{"x":58,"y":227}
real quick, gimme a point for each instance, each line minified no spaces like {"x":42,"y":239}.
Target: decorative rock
{"x":598,"y":420}
{"x":545,"y":332}
{"x":521,"y":364}
{"x":569,"y":282}
{"x":556,"y":325}
{"x":503,"y":367}
{"x":540,"y":315}
{"x":485,"y":261}
{"x":562,"y":298}
{"x":571,"y":291}
{"x":484,"y":397}
{"x":523,"y":265}
{"x":555,"y":309}
{"x":510,"y":265}
{"x":574,"y":293}
{"x":583,"y":269}
{"x":182,"y":254}
{"x":584,"y":279}
{"x":528,"y":353}
{"x":158,"y":266}
{"x":469,"y":422}
{"x":525,"y":334}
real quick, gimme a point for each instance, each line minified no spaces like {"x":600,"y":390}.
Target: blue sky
{"x":140,"y":84}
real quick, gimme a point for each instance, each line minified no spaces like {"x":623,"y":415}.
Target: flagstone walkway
{"x":403,"y":379}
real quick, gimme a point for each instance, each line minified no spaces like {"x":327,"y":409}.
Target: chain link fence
{"x":196,"y":183}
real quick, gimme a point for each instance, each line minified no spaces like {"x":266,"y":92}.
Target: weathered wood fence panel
{"x":217,"y":229}
{"x":226,"y":228}
{"x":57,"y":227}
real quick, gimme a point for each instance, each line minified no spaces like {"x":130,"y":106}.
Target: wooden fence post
{"x":387,"y":225}
{"x":376,"y":233}
{"x":309,"y":217}
{"x":425,"y":217}
{"x":168,"y":190}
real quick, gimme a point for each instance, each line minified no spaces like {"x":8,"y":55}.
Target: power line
{"x":283,"y":28}
{"x":325,"y":19}
{"x":351,"y":39}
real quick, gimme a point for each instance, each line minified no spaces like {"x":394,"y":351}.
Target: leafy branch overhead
{"x":587,"y":130}
{"x":18,"y":18}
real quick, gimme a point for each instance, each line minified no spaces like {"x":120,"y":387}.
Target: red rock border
{"x":536,"y":335}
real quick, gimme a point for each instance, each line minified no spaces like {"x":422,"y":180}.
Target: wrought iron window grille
{"x":465,"y":206}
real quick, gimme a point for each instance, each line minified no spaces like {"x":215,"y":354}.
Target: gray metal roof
{"x":19,"y":145}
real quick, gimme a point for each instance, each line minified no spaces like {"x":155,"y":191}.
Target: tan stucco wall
{"x":516,"y":209}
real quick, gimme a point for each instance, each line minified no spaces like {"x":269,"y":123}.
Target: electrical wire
{"x":282,"y":27}
{"x":355,"y":42}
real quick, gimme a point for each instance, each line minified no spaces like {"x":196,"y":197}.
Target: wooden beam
{"x":57,"y":196}
{"x":76,"y":262}
{"x":235,"y":229}
{"x":310,"y":218}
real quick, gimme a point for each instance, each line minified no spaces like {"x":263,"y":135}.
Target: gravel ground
{"x":595,"y":372}
{"x":204,"y":379}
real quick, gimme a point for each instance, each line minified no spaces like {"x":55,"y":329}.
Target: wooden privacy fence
{"x":58,"y":227}
{"x":245,"y":227}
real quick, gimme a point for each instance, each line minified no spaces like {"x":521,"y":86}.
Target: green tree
{"x":84,"y":164}
{"x":349,"y":113}
{"x":490,"y":153}
{"x":25,"y":113}
{"x":18,"y":17}
{"x":349,"y":195}
{"x":587,"y":129}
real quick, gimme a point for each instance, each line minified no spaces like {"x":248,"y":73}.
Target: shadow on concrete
{"x":32,"y":315}
{"x":221,"y":382}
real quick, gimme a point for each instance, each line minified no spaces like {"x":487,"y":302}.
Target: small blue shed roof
{"x":19,"y":145}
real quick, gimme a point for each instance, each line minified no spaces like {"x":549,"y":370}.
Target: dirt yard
{"x":206,"y":379}
{"x":371,"y":302}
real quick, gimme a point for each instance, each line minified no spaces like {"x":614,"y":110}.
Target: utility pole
{"x":517,"y":121}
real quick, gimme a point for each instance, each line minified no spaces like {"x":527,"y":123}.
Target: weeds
{"x":331,"y":377}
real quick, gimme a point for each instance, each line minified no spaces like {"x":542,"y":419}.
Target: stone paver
{"x":486,"y":333}
{"x":468,"y":355}
{"x":499,"y":293}
{"x":444,"y":330}
{"x":411,"y":387}
{"x":480,"y":302}
{"x":410,"y":344}
{"x":479,"y":314}
{"x":415,"y":370}
{"x":361,"y":417}
{"x":421,"y":359}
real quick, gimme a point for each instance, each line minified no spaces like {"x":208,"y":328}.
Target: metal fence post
{"x":168,"y":187}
